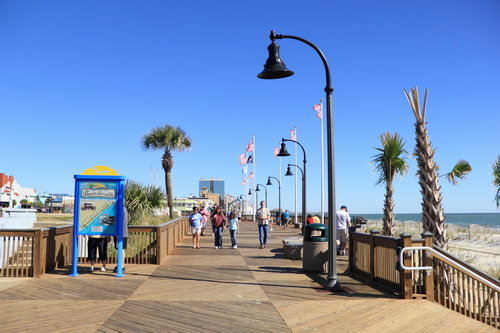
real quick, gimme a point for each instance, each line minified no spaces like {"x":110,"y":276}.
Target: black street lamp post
{"x":258,"y":189}
{"x":284,"y":152}
{"x":304,"y":211}
{"x":275,"y":69}
{"x":279,"y":193}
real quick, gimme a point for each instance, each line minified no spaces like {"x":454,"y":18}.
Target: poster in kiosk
{"x":99,"y":207}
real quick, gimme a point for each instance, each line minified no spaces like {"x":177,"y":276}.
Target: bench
{"x":292,"y":247}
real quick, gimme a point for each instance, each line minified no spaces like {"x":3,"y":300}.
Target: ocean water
{"x":491,"y":220}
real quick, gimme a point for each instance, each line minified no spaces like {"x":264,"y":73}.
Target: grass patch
{"x":46,"y":217}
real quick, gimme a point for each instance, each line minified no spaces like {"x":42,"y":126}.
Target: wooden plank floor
{"x":223,"y":290}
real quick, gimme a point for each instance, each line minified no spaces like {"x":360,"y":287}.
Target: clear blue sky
{"x":82,"y":81}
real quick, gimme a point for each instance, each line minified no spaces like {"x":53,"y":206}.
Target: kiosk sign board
{"x":99,"y":208}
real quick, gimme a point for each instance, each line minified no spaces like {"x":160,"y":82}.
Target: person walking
{"x":343,"y":222}
{"x":204,"y":214}
{"x":195,"y":220}
{"x":97,"y":243}
{"x":263,"y":215}
{"x":286,"y":218}
{"x":234,"y":225}
{"x":218,"y":225}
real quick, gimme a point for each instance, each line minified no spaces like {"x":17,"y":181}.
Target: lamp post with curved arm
{"x":284,"y":152}
{"x":275,"y":69}
{"x":279,"y":193}
{"x":304,"y":211}
{"x":258,"y":189}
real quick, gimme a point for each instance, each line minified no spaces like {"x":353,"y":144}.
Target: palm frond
{"x":459,"y":172}
{"x":496,"y":179}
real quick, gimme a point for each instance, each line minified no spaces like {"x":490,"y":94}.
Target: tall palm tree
{"x":433,"y":218}
{"x":432,"y":210}
{"x":168,"y":139}
{"x":390,"y":163}
{"x":496,"y":179}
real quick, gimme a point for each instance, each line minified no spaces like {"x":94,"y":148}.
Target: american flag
{"x":319,"y":113}
{"x":250,"y":146}
{"x":242,"y":158}
{"x":250,"y":175}
{"x":292,"y":134}
{"x":276,"y":151}
{"x":244,"y":181}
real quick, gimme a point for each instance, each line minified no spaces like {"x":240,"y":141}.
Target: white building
{"x":11,"y":192}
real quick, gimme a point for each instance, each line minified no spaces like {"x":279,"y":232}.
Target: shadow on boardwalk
{"x":216,"y":290}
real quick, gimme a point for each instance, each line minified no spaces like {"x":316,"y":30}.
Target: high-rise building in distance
{"x":212,"y":185}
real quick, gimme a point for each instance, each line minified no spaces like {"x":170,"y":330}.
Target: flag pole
{"x":322,"y":167}
{"x":254,"y":176}
{"x":296,"y":183}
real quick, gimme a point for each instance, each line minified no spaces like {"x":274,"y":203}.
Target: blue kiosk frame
{"x":99,"y":208}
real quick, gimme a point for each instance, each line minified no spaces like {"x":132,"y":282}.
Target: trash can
{"x":315,"y":247}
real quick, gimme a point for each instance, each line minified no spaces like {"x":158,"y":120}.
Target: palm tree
{"x":433,"y":218}
{"x":496,"y":179}
{"x":142,"y":201}
{"x":168,"y":139}
{"x":390,"y":163}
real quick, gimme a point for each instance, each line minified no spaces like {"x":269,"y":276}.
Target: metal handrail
{"x":445,"y":259}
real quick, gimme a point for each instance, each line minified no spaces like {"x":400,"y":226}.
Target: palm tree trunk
{"x":433,"y":218}
{"x":167,"y":164}
{"x":389,"y":211}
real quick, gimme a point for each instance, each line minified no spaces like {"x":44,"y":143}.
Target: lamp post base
{"x":332,"y":284}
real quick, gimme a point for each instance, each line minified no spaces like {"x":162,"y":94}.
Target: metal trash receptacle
{"x":315,"y":247}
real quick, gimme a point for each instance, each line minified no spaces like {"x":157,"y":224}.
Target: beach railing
{"x":434,"y":275}
{"x":33,"y":252}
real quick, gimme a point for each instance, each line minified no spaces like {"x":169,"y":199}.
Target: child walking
{"x":234,"y":224}
{"x":195,"y":220}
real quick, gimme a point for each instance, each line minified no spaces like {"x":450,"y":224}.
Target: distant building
{"x":212,"y":185}
{"x":11,"y":192}
{"x":185,"y":205}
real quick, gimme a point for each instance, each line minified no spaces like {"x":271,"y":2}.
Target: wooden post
{"x":352,"y":248}
{"x":373,"y":256}
{"x":405,"y":276}
{"x":38,"y":257}
{"x":427,"y":260}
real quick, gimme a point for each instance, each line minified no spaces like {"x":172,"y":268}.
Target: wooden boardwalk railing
{"x":451,"y":283}
{"x":33,"y":252}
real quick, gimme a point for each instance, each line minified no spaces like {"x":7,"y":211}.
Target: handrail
{"x":445,"y":259}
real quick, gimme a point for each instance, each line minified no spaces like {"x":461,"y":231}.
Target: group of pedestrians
{"x":219,"y":221}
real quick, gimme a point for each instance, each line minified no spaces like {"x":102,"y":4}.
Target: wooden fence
{"x":451,"y":283}
{"x":33,"y":252}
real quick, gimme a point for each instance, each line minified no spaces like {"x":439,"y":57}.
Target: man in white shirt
{"x":343,"y":222}
{"x":263,"y":215}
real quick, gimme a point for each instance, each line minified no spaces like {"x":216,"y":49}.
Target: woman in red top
{"x":310,"y":219}
{"x":218,"y":225}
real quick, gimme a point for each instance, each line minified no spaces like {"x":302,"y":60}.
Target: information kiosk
{"x":99,"y":209}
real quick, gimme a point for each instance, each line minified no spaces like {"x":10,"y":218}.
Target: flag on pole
{"x":250,"y":146}
{"x":292,"y":134}
{"x":250,"y":159}
{"x":244,"y":170}
{"x":276,"y":151}
{"x":250,"y":175}
{"x":244,"y":181}
{"x":319,"y":112}
{"x":242,"y":158}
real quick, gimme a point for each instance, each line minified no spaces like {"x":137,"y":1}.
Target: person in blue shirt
{"x":286,"y":218}
{"x":195,"y":220}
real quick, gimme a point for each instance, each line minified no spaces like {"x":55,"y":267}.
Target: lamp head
{"x":288,"y":172}
{"x":257,"y":189}
{"x":283,"y":151}
{"x":274,"y":68}
{"x":269,"y":181}
{"x":249,"y":192}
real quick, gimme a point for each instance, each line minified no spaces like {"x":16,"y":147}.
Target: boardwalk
{"x":209,"y":290}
